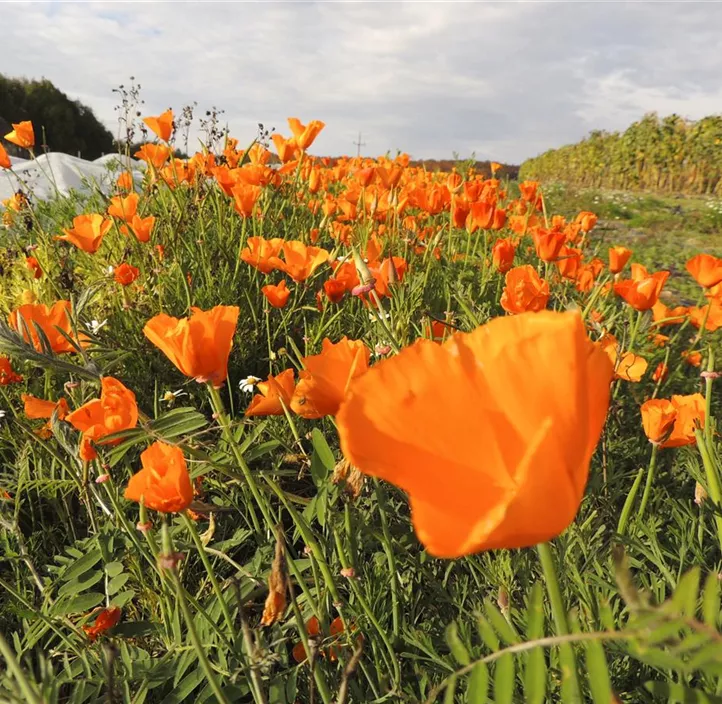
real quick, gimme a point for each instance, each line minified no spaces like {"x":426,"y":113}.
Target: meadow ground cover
{"x":350,"y":431}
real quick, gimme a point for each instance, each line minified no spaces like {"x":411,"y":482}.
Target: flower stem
{"x":566,"y":652}
{"x":650,"y":480}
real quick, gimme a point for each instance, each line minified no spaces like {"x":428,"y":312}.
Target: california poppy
{"x":502,"y":255}
{"x":261,"y":253}
{"x":164,"y":483}
{"x":126,"y":274}
{"x":313,"y":629}
{"x":525,"y":290}
{"x":5,"y":162}
{"x":326,"y":376}
{"x":586,"y":220}
{"x":142,"y":227}
{"x":104,"y":621}
{"x":124,"y":207}
{"x":287,"y":148}
{"x":87,"y":232}
{"x":658,"y":417}
{"x":642,"y":294}
{"x":245,"y":197}
{"x":115,"y":410}
{"x":305,"y":134}
{"x":705,"y":269}
{"x":710,"y":315}
{"x":299,"y":260}
{"x":48,"y":320}
{"x":690,"y":417}
{"x":154,"y":154}
{"x":39,"y":408}
{"x":532,"y":390}
{"x":277,"y":295}
{"x":199,"y":345}
{"x":627,"y":365}
{"x":7,"y":375}
{"x":125,"y":181}
{"x":34,"y":265}
{"x":548,"y":244}
{"x":162,"y":125}
{"x":275,"y":393}
{"x":618,"y":258}
{"x":692,"y":357}
{"x":22,"y":135}
{"x":335,"y":289}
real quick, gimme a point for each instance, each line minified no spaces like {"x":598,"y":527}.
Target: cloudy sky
{"x":503,"y":80}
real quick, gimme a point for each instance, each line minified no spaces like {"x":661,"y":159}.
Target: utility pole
{"x":359,"y":144}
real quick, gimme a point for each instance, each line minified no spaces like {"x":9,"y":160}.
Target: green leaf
{"x":457,"y":648}
{"x":685,"y":595}
{"x":80,"y":584}
{"x":450,"y":693}
{"x":487,"y":633}
{"x":78,"y":604}
{"x":122,"y":598}
{"x":711,"y":600}
{"x":113,"y":569}
{"x":679,"y":694}
{"x":501,"y":625}
{"x":477,"y":689}
{"x":117,"y":583}
{"x":598,"y":672}
{"x":504,"y":680}
{"x":82,"y":565}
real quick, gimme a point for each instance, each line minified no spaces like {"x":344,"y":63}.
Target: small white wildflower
{"x":247,"y":385}
{"x":2,"y":414}
{"x":378,"y":314}
{"x":111,"y":269}
{"x":170,"y":396}
{"x":94,"y":326}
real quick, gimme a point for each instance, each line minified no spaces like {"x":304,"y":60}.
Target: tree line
{"x":61,"y":124}
{"x":665,"y":155}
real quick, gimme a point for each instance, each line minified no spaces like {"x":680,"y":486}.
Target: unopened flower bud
{"x":700,"y":494}
{"x":348,"y":573}
{"x":102,"y":478}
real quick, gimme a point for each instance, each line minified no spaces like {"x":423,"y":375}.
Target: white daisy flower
{"x":94,"y":326}
{"x":170,"y":396}
{"x":111,"y":269}
{"x":248,"y":384}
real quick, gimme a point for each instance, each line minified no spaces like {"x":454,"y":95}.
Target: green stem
{"x":629,"y":502}
{"x":650,"y":480}
{"x":708,"y":399}
{"x":14,"y":666}
{"x":191,"y":526}
{"x":566,"y":652}
{"x":713,"y":481}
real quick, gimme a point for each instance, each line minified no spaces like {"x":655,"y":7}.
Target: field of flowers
{"x":349,"y":431}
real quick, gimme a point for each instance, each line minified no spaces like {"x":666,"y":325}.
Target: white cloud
{"x":505,"y":80}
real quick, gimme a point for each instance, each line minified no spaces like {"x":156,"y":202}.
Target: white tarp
{"x":57,"y":174}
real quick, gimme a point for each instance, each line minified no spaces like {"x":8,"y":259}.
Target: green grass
{"x":432,"y":630}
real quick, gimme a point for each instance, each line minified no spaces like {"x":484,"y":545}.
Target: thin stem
{"x":566,"y":652}
{"x":650,"y":480}
{"x":629,"y":502}
{"x":14,"y":666}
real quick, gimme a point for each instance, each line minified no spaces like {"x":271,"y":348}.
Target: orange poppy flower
{"x":569,"y":262}
{"x":494,"y":166}
{"x":524,"y":291}
{"x":335,"y":289}
{"x":690,"y":416}
{"x":124,"y":207}
{"x":162,"y":125}
{"x":663,"y":315}
{"x":277,"y":295}
{"x":87,"y":232}
{"x":22,"y":135}
{"x":287,"y":148}
{"x":642,"y":294}
{"x":313,"y":629}
{"x":105,"y":620}
{"x":533,"y":390}
{"x":5,"y":162}
{"x":34,"y":265}
{"x":325,"y":378}
{"x":199,"y":346}
{"x":126,"y":274}
{"x":262,"y":254}
{"x":245,"y":198}
{"x":299,"y":260}
{"x":305,"y":134}
{"x":125,"y":181}
{"x":502,"y":254}
{"x":154,"y":155}
{"x":142,"y":227}
{"x":548,"y":244}
{"x":693,"y":358}
{"x":481,"y":216}
{"x":660,"y":373}
{"x":528,"y":190}
{"x":36,"y":408}
{"x":627,"y":365}
{"x":391,"y":271}
{"x":710,"y":315}
{"x":618,"y":258}
{"x":658,"y":418}
{"x":7,"y":375}
{"x":115,"y":410}
{"x":705,"y":269}
{"x":275,"y":390}
{"x":48,"y":319}
{"x":586,"y":220}
{"x":164,"y":483}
